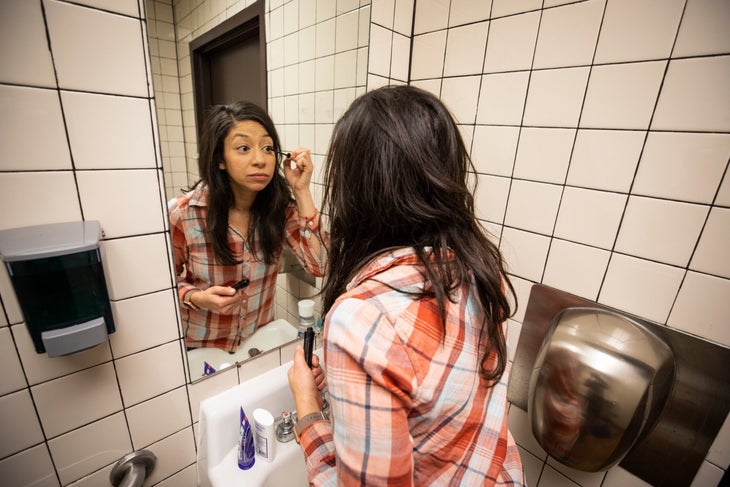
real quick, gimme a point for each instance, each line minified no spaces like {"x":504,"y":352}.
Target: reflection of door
{"x":229,"y":62}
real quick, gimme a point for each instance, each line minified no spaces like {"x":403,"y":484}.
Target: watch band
{"x":306,"y":421}
{"x":186,"y":300}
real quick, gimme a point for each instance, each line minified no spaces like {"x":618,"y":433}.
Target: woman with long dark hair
{"x":229,"y":230}
{"x":414,"y":297}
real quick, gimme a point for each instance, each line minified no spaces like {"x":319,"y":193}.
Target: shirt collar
{"x":384,"y":261}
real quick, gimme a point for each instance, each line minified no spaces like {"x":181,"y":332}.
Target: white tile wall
{"x":602,"y":160}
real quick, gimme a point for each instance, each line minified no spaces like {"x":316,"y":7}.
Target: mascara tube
{"x":309,"y":345}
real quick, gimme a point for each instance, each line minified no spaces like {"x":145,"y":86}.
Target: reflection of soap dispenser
{"x":305,"y":307}
{"x":599,"y":384}
{"x":59,"y":280}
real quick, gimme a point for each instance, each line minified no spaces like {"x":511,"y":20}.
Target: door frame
{"x":228,"y":32}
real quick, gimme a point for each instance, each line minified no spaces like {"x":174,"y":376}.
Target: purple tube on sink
{"x":246,"y":449}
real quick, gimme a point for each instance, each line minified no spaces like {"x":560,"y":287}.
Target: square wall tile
{"x":430,"y":15}
{"x":661,"y":230}
{"x":427,"y":60}
{"x":694,"y":96}
{"x":363,"y":30}
{"x":511,"y":43}
{"x":381,"y":46}
{"x":159,"y":417}
{"x":708,"y":474}
{"x":634,"y":31}
{"x":531,"y":465}
{"x":20,"y":423}
{"x":519,"y":426}
{"x":465,"y":49}
{"x":136,"y":265}
{"x":533,"y":206}
{"x":29,"y":467}
{"x":174,"y":454}
{"x":719,"y":453}
{"x":326,"y":9}
{"x":100,"y":128}
{"x":640,"y":287}
{"x":711,"y":254}
{"x":87,"y":449}
{"x":703,"y":29}
{"x":400,"y":58}
{"x":502,"y":98}
{"x":325,"y":38}
{"x":27,"y":114}
{"x":291,"y":49}
{"x":605,"y":159}
{"x":383,"y":13}
{"x":490,"y":199}
{"x":618,"y":477}
{"x":215,"y":384}
{"x":324,"y":73}
{"x":345,"y":69}
{"x":12,"y":378}
{"x":544,"y":154}
{"x":552,"y":478}
{"x":77,"y":399}
{"x":493,"y":149}
{"x":24,"y":52}
{"x":682,"y":166}
{"x":307,"y":41}
{"x":468,"y":11}
{"x":102,"y":191}
{"x":523,"y":288}
{"x":291,"y":17}
{"x":622,"y":96}
{"x":307,"y":13}
{"x":702,"y":308}
{"x":584,"y":479}
{"x":38,"y":198}
{"x":525,"y":253}
{"x":144,"y":322}
{"x":147,"y":374}
{"x":568,"y":35}
{"x":460,"y":95}
{"x":346,"y":31}
{"x":590,"y":217}
{"x":555,"y":97}
{"x":39,"y":367}
{"x":574,"y":268}
{"x":501,"y":8}
{"x":87,"y":53}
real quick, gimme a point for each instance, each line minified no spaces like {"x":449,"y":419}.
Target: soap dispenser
{"x":58,"y":277}
{"x":598,"y":386}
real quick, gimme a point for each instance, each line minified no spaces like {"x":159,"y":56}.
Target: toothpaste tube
{"x":207,"y":368}
{"x":246,"y":449}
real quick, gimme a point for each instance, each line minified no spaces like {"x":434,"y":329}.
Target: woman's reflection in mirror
{"x":229,"y":229}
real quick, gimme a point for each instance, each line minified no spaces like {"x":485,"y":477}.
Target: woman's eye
{"x":269,"y":150}
{"x":243,"y":148}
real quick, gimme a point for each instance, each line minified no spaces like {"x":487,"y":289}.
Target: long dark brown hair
{"x":268,"y":213}
{"x":397,"y":175}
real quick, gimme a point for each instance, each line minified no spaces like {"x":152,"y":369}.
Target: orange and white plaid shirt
{"x":196,"y":268}
{"x":408,"y":405}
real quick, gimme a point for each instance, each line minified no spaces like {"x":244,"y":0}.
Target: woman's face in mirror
{"x":249,"y":157}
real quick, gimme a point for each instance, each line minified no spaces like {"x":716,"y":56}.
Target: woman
{"x":415,"y":352}
{"x":228,"y":232}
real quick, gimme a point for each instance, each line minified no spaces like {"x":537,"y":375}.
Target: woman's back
{"x":424,"y":410}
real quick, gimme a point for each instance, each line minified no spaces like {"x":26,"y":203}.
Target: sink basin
{"x":218,"y":435}
{"x":272,"y":335}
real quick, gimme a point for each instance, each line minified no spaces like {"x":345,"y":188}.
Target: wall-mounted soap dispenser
{"x":600,"y":382}
{"x":58,"y":277}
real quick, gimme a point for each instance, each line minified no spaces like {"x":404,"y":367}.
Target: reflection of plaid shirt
{"x":196,"y":268}
{"x":408,"y":407}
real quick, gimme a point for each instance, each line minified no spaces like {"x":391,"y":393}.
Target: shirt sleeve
{"x":179,"y":250}
{"x":370,"y":381}
{"x":308,"y":240}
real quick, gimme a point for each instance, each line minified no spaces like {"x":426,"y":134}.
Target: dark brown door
{"x":229,"y":62}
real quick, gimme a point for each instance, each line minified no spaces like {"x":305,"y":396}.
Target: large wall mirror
{"x":304,"y":60}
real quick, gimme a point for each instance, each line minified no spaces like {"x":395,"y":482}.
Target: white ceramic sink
{"x":272,"y":335}
{"x":219,"y":435}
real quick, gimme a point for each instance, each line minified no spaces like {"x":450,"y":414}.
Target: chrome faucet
{"x":285,"y":429}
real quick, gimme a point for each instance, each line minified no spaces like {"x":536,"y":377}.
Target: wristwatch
{"x":307,"y":420}
{"x":186,"y":299}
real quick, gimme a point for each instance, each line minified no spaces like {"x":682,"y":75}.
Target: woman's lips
{"x":259,"y":177}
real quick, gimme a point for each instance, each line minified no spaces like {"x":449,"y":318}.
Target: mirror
{"x":316,"y":56}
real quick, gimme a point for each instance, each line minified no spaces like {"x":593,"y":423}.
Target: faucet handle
{"x":285,"y":429}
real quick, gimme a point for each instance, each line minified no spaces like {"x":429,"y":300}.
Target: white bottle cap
{"x":306,"y":308}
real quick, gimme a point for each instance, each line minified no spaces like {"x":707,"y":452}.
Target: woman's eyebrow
{"x":248,"y":137}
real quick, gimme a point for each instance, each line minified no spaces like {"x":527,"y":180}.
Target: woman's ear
{"x":222,"y":165}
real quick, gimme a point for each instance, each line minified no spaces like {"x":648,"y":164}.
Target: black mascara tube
{"x":308,"y":345}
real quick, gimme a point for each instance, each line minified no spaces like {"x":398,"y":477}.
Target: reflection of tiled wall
{"x":600,"y":130}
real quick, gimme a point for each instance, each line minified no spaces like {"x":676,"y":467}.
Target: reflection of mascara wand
{"x":308,"y":345}
{"x":287,"y":155}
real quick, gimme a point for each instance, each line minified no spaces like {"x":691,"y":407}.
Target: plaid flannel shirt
{"x":408,"y":404}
